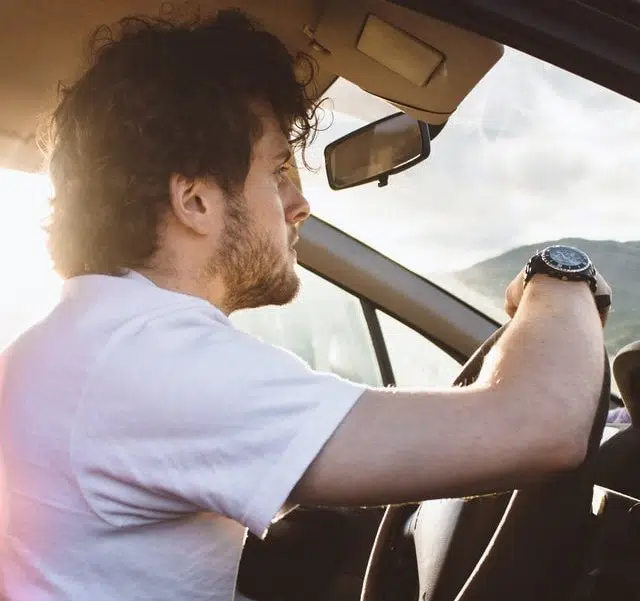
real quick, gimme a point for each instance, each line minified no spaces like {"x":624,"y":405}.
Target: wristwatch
{"x":569,"y":264}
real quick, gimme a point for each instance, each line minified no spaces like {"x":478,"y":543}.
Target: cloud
{"x":532,"y":153}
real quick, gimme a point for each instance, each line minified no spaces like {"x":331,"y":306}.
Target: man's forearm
{"x":527,"y":416}
{"x":553,"y":353}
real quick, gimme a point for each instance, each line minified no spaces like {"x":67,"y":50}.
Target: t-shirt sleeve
{"x":187,"y":413}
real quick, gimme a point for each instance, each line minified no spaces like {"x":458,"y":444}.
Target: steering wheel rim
{"x":516,"y":542}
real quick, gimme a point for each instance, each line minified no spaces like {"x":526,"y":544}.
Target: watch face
{"x":566,"y":258}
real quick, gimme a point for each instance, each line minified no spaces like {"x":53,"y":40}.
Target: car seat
{"x":617,"y":463}
{"x":612,"y":566}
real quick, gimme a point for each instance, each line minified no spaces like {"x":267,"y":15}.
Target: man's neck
{"x":210,"y":290}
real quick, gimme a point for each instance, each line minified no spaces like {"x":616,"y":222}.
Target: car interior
{"x":399,"y":75}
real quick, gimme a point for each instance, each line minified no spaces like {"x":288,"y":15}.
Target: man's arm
{"x":529,"y":414}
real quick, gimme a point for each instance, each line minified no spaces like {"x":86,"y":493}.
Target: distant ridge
{"x":618,"y":261}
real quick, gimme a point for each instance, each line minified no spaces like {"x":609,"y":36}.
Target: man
{"x":142,"y":433}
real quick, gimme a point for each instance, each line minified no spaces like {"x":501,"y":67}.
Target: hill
{"x":618,"y":261}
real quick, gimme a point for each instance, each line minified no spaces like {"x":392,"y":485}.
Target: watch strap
{"x":603,"y":302}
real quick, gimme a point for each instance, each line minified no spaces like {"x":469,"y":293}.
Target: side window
{"x":415,"y":360}
{"x":324,"y":326}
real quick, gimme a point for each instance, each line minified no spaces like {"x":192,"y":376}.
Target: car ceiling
{"x":42,"y":43}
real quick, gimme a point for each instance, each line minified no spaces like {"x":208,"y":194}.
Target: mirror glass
{"x":386,"y":146}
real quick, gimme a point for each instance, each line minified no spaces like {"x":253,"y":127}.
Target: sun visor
{"x":422,"y":65}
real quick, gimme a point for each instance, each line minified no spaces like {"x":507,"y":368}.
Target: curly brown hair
{"x":161,"y":98}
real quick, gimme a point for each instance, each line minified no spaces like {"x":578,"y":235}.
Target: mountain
{"x":619,"y":262}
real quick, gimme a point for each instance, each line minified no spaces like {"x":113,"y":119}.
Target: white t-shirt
{"x":142,"y":433}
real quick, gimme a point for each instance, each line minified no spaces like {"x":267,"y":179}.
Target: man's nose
{"x":297,"y":208}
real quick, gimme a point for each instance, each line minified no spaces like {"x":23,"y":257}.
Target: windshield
{"x":533,"y":155}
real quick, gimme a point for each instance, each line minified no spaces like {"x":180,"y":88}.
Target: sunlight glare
{"x":30,"y":287}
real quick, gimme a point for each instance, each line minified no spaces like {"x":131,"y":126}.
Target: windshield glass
{"x":533,"y":155}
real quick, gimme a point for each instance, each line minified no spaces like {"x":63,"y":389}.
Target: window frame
{"x":370,"y":311}
{"x":453,"y":325}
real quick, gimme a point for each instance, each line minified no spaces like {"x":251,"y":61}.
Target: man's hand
{"x":515,"y":291}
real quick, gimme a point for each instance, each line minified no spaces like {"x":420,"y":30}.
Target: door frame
{"x":450,"y":323}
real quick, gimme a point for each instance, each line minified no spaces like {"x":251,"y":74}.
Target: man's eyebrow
{"x":284,"y":155}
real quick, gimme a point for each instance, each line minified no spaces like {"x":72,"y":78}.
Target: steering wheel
{"x":526,"y":545}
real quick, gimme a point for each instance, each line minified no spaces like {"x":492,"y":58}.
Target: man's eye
{"x":282,"y":171}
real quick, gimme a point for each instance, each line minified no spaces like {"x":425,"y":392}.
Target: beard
{"x":255,"y":269}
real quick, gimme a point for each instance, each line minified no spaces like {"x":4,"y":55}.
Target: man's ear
{"x":196,"y":203}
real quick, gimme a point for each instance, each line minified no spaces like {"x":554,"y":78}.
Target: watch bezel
{"x":584,"y":266}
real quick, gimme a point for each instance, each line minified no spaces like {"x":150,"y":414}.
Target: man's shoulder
{"x":100,"y":315}
{"x":105,"y":309}
{"x":128,"y":296}
{"x":134,"y":325}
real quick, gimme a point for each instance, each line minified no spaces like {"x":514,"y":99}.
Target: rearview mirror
{"x":376,"y":151}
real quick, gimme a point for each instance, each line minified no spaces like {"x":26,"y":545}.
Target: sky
{"x":532,"y":154}
{"x":30,"y":287}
